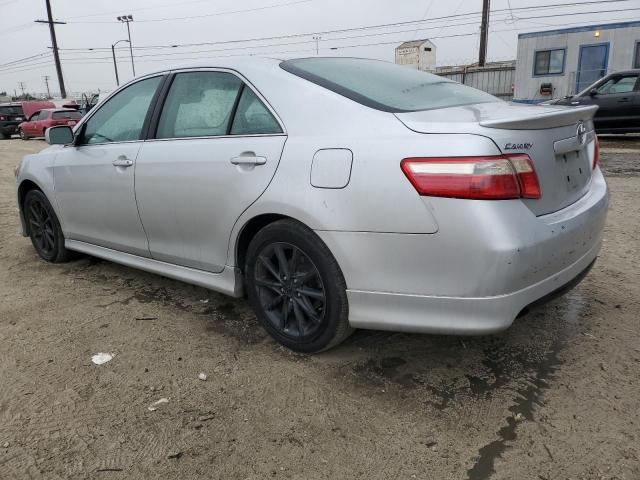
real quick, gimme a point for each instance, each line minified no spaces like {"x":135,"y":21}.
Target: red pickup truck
{"x":45,"y":118}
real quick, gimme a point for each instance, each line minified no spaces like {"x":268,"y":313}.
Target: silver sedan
{"x":336,"y":193}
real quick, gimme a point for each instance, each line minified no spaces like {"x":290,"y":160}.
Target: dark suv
{"x":618,"y":98}
{"x":11,"y":116}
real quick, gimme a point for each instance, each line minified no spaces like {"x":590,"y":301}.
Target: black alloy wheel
{"x":290,"y":290}
{"x":44,"y":228}
{"x":296,"y":287}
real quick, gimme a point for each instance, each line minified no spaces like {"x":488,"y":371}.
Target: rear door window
{"x":70,"y":115}
{"x":252,"y":116}
{"x":199,"y":104}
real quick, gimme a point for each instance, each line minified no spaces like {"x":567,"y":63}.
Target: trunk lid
{"x":558,"y":139}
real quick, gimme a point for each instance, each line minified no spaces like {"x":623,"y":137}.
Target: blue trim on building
{"x":606,"y":26}
{"x":580,"y":50}
{"x":564,"y":61}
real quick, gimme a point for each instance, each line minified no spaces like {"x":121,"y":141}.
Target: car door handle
{"x":249,"y":160}
{"x":623,"y":100}
{"x":122,"y":161}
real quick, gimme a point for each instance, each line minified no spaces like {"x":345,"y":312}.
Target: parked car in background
{"x":41,"y":120}
{"x":617,"y":96}
{"x":11,"y":116}
{"x":14,"y":113}
{"x":338,"y":193}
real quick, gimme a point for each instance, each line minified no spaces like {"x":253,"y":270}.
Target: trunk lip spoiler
{"x":544,"y":120}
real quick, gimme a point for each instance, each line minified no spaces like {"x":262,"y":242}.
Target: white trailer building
{"x":418,"y":54}
{"x":556,"y":63}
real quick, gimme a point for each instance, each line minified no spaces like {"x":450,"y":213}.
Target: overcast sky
{"x":93,"y":24}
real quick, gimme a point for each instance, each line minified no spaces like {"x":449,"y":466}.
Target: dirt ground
{"x":554,"y":397}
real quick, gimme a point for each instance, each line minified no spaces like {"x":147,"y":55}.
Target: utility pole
{"x":127,"y":19}
{"x":484,"y":32}
{"x":317,"y":39}
{"x":46,"y":81}
{"x":21,"y":85}
{"x":54,"y":45}
{"x":115,"y":65}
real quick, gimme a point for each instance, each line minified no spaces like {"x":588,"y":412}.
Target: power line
{"x":309,"y":40}
{"x":216,"y":14}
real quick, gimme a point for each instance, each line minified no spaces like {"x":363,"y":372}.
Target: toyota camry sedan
{"x":336,"y":193}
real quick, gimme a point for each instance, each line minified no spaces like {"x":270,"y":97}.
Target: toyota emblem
{"x":581,"y":133}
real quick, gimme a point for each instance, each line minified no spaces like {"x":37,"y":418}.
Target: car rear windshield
{"x":11,"y":110}
{"x":72,"y":115}
{"x":385,"y":86}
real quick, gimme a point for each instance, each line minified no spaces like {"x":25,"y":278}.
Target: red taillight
{"x":497,"y":177}
{"x":596,"y":151}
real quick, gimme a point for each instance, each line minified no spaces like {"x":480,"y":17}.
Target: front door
{"x":592,"y":64}
{"x":94,"y":180}
{"x":216,"y":148}
{"x":616,"y":101}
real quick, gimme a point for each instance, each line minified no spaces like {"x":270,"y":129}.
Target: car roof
{"x":224,"y":62}
{"x":633,"y":71}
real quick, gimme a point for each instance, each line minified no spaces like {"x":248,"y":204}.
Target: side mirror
{"x":60,"y":135}
{"x":593,"y":92}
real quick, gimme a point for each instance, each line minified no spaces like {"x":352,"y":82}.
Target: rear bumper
{"x":458,"y":315}
{"x":487,"y":262}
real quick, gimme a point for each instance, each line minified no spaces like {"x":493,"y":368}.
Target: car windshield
{"x":385,"y":86}
{"x":11,"y":110}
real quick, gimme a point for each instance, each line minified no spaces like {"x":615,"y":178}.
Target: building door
{"x":592,"y":64}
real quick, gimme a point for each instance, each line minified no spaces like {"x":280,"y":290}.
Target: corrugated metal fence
{"x":494,"y":79}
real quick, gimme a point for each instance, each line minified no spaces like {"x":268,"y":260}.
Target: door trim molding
{"x":229,"y":281}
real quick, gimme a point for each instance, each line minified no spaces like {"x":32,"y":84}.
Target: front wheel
{"x":23,"y":135}
{"x":44,"y":228}
{"x":296,"y":288}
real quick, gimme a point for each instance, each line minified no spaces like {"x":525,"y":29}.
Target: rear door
{"x":216,"y":147}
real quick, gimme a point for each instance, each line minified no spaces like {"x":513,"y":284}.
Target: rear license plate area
{"x":574,"y":167}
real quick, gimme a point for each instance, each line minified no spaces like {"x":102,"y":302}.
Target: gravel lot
{"x":554,"y":397}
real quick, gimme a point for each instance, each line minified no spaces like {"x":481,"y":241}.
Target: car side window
{"x":34,"y":117}
{"x":43,"y":115}
{"x":252,"y":116}
{"x":121,"y":117}
{"x":618,"y":85}
{"x":199,"y":104}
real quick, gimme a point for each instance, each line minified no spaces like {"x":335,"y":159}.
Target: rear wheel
{"x":296,"y":288}
{"x":23,"y":135}
{"x":44,"y":228}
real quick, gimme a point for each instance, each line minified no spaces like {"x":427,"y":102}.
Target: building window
{"x":549,"y":62}
{"x":636,"y":60}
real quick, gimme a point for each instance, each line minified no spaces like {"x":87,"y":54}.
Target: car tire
{"x":4,"y":136}
{"x":23,"y":136}
{"x":44,"y":228}
{"x":296,"y":288}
